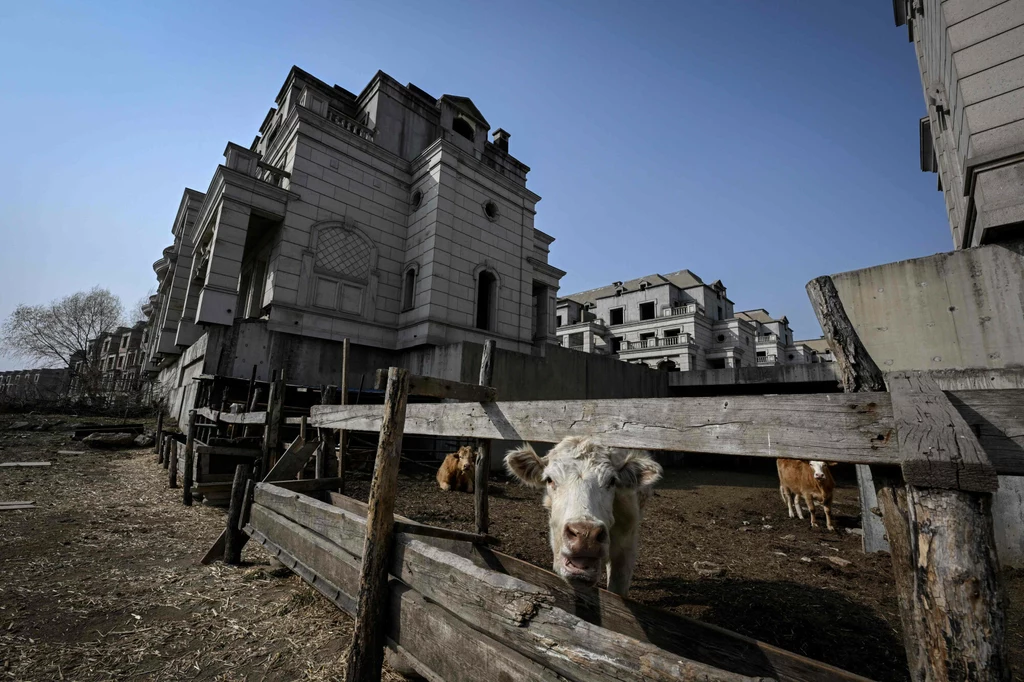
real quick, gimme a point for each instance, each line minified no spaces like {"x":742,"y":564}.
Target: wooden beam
{"x":432,"y":387}
{"x":189,"y":473}
{"x":937,"y":447}
{"x":227,"y":451}
{"x":274,"y":417}
{"x":680,"y":636}
{"x":172,"y":466}
{"x":230,"y":418}
{"x":306,"y":485}
{"x":407,"y":525}
{"x":482,"y":469}
{"x":342,"y":439}
{"x":159,"y":430}
{"x":942,"y":541}
{"x":366,"y":655}
{"x":233,"y":536}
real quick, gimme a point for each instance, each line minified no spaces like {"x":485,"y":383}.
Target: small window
{"x":464,"y":128}
{"x":718,"y":363}
{"x":647,"y":310}
{"x":721,"y":338}
{"x":409,"y":289}
{"x":615,"y":316}
{"x":720,"y":312}
{"x":491,"y":211}
{"x":558,"y":320}
{"x":616,"y":343}
{"x":417,"y":198}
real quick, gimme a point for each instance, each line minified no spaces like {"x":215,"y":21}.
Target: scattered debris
{"x":780,"y":553}
{"x":24,"y":464}
{"x":838,"y":561}
{"x":788,"y":538}
{"x":143,"y":440}
{"x":70,"y":452}
{"x":17,"y":504}
{"x":855,"y":531}
{"x":706,"y":569}
{"x":18,"y":426}
{"x":766,"y":527}
{"x":805,"y":558}
{"x":110,"y":440}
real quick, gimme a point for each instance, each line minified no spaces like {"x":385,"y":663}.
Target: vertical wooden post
{"x":169,"y":443}
{"x":233,"y":537}
{"x":483,"y":447}
{"x":172,"y":465}
{"x":342,"y":438}
{"x":939,"y":524}
{"x":252,"y":388}
{"x":159,"y":430}
{"x":366,"y":655}
{"x":327,"y":443}
{"x":189,"y":473}
{"x":301,"y":473}
{"x":272,"y":433}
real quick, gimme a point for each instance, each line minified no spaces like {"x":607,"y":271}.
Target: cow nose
{"x":584,"y":537}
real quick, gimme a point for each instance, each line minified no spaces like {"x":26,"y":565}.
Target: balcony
{"x":656,"y":342}
{"x":767,"y":338}
{"x":688,"y":309}
{"x":766,"y":360}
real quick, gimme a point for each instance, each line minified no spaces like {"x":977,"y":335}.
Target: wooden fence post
{"x":172,"y":464}
{"x":342,"y":439}
{"x":168,"y":444}
{"x":939,"y":523}
{"x":159,"y":430}
{"x":327,"y":441}
{"x":272,"y":432}
{"x":232,"y":540}
{"x":190,"y":452}
{"x":483,"y":447}
{"x":366,"y":655}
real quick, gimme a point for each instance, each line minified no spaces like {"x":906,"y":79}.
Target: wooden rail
{"x":856,"y":428}
{"x":517,"y":621}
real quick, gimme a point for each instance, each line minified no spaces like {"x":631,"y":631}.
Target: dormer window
{"x":464,"y":128}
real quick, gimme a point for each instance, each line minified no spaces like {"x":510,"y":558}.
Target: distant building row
{"x":112,"y":362}
{"x":676,"y":322}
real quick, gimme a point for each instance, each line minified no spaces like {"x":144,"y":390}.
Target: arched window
{"x":486,"y":295}
{"x":341,"y":268}
{"x":409,"y":289}
{"x":464,"y":128}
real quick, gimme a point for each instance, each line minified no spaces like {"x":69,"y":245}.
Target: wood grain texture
{"x":432,"y":387}
{"x":342,"y":440}
{"x":172,"y":466}
{"x":345,"y":527}
{"x":233,"y":536}
{"x":366,"y":655}
{"x":229,"y":418}
{"x":190,"y":469}
{"x":857,"y":370}
{"x":944,"y":561}
{"x":834,"y":426}
{"x":937,"y":447}
{"x":159,"y":431}
{"x":482,"y":469}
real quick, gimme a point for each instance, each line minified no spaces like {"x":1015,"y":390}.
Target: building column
{"x":218,"y":298}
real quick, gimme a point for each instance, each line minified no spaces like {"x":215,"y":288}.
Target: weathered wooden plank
{"x":230,"y":418}
{"x":293,"y":460}
{"x":432,"y":387}
{"x":407,"y":525}
{"x":172,"y":466}
{"x":937,"y":447}
{"x":443,"y":647}
{"x":158,"y":440}
{"x":858,"y":372}
{"x":306,"y":485}
{"x":832,"y":426}
{"x":81,"y":433}
{"x":189,"y":474}
{"x":24,"y":464}
{"x":483,"y":448}
{"x":997,"y":418}
{"x":228,"y":451}
{"x":345,"y":527}
{"x":342,"y":438}
{"x":233,"y":536}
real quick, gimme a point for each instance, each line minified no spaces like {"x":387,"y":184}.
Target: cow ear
{"x":639,"y":470}
{"x":526,"y":465}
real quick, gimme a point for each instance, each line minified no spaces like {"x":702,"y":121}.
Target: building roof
{"x":758,"y":315}
{"x":820,"y":345}
{"x":684,"y":279}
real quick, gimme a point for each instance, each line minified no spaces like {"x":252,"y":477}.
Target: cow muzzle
{"x":584,"y":545}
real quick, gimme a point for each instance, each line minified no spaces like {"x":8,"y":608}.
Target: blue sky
{"x":762,"y":143}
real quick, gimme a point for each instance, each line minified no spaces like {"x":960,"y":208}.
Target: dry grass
{"x":102,"y":581}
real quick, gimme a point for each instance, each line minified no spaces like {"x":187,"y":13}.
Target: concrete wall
{"x":810,"y":378}
{"x":956,"y":310}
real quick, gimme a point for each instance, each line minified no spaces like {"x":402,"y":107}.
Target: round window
{"x":721,"y":337}
{"x":417,"y":197}
{"x":491,"y":210}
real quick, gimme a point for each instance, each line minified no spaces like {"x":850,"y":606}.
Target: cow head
{"x":819,"y":469}
{"x":467,"y":459}
{"x":581,"y":480}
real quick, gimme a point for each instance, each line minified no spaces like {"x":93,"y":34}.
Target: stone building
{"x":389,"y":217}
{"x":676,"y":322}
{"x":33,"y":384}
{"x":971,"y":57}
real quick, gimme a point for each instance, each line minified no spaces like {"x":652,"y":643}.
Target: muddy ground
{"x":101,"y":580}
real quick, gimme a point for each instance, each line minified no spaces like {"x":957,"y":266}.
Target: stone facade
{"x":676,"y":322}
{"x":33,"y":384}
{"x":971,"y":57}
{"x":386,"y":217}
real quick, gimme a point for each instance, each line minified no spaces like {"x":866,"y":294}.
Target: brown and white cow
{"x":458,"y":470}
{"x":596,"y":497}
{"x":809,"y":480}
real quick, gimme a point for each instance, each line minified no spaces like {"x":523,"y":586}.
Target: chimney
{"x":501,"y":140}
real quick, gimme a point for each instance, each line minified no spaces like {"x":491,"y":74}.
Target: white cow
{"x":596,"y":496}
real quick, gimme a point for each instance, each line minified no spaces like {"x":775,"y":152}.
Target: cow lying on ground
{"x":596,"y":496}
{"x":458,"y":470}
{"x":809,"y":480}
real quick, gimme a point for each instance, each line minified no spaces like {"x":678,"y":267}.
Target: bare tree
{"x":48,"y":335}
{"x":137,"y":313}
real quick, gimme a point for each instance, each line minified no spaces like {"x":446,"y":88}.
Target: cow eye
{"x":610,"y":484}
{"x":547,"y":479}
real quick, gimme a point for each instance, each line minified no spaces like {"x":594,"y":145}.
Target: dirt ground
{"x":101,"y":581}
